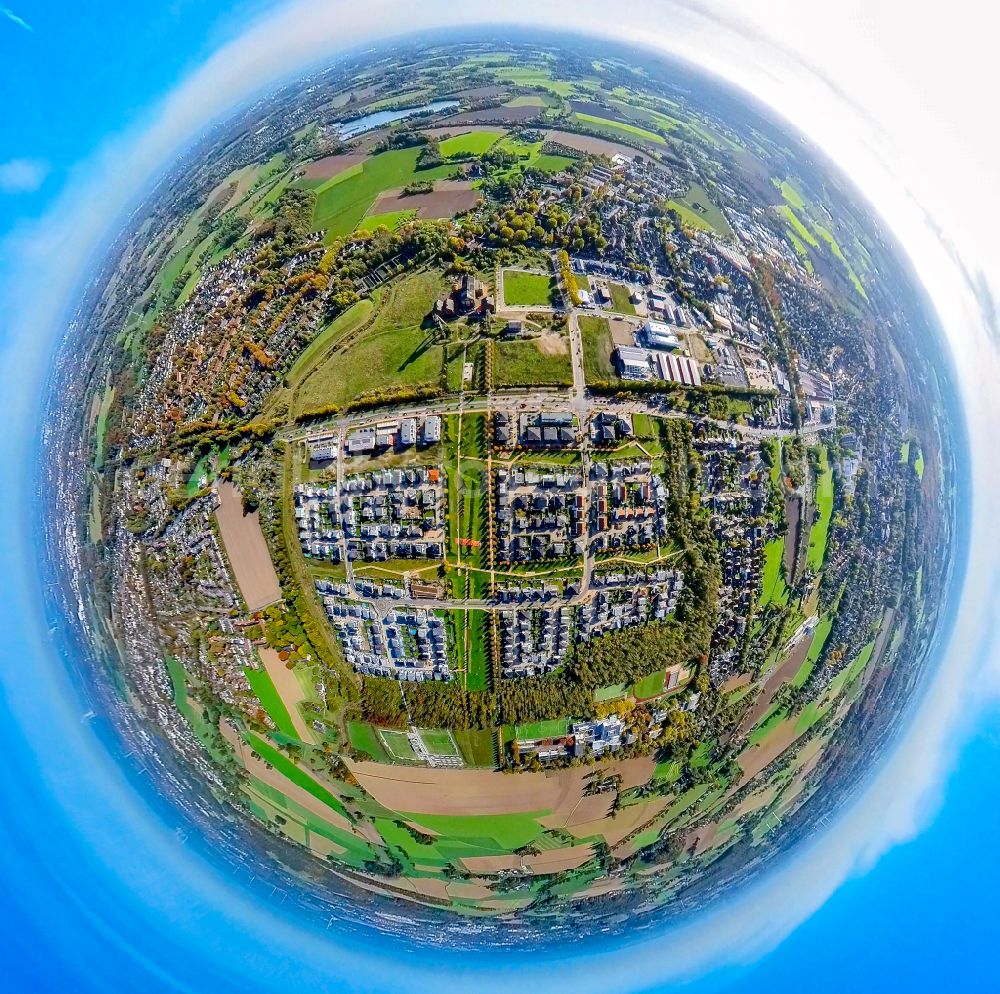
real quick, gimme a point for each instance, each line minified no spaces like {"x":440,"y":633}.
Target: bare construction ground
{"x":248,"y":552}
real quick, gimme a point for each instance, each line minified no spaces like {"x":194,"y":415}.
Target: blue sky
{"x":74,"y":77}
{"x":73,"y":73}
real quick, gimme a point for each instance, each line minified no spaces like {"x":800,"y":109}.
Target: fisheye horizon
{"x":895,"y":799}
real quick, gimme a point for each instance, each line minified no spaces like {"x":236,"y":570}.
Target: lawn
{"x":396,"y":350}
{"x":478,"y":660}
{"x":820,"y":530}
{"x":620,"y":299}
{"x":598,"y":348}
{"x":525,"y":364}
{"x":477,"y":746}
{"x":341,"y":325}
{"x":471,"y":143}
{"x":918,"y":464}
{"x":343,"y":201}
{"x":619,"y":128}
{"x":271,"y":702}
{"x":524,"y":289}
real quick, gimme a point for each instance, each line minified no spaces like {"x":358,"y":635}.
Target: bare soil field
{"x":625,"y":822}
{"x":495,"y":115}
{"x":248,"y":553}
{"x":487,"y":792}
{"x":454,"y":131}
{"x":552,"y":343}
{"x":593,"y":146}
{"x":735,"y":682}
{"x":450,"y":197}
{"x":754,"y":758}
{"x":559,"y":860}
{"x":332,"y":165}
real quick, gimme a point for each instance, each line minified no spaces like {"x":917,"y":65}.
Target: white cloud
{"x":15,"y":19}
{"x":22,"y":175}
{"x":816,"y":67}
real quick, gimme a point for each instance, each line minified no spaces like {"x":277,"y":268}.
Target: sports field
{"x":398,"y":745}
{"x":439,"y":742}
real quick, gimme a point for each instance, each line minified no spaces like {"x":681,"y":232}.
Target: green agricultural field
{"x":798,"y":228}
{"x":396,"y":350}
{"x":768,"y":723}
{"x":391,"y":220}
{"x":271,"y":702}
{"x":523,"y":289}
{"x":532,"y":101}
{"x":918,"y":464}
{"x":540,"y":79}
{"x":598,"y":349}
{"x":101,"y":430}
{"x":697,"y":209}
{"x":508,"y":832}
{"x":469,"y":144}
{"x":820,"y":635}
{"x":774,"y":590}
{"x":619,"y":128}
{"x":791,"y":194}
{"x":820,"y":530}
{"x":342,"y":202}
{"x":525,"y":364}
{"x":295,"y":773}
